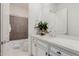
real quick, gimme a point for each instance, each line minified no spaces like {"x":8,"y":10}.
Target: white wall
{"x":5,"y":21}
{"x":73,"y":17}
{"x":34,"y":15}
{"x":18,"y":10}
{"x":48,"y":14}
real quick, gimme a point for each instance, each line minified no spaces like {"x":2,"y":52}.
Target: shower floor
{"x":15,"y":48}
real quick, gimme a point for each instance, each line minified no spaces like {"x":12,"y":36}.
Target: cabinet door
{"x":41,"y":50}
{"x":34,"y":48}
{"x":38,"y":48}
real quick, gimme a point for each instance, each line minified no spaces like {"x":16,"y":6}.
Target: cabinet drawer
{"x":60,"y":51}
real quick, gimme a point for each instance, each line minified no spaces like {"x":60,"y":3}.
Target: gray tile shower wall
{"x":19,"y":26}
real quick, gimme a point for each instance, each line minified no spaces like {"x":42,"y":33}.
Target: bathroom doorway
{"x":18,"y":21}
{"x":14,"y":28}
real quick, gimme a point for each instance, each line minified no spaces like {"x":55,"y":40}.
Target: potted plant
{"x":42,"y":27}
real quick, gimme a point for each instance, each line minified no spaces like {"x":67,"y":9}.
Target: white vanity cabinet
{"x":42,"y":47}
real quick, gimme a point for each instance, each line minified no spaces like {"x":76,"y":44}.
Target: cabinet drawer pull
{"x":49,"y":55}
{"x":46,"y":53}
{"x":58,"y":52}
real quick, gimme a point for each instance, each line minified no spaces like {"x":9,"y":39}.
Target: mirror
{"x":61,"y":21}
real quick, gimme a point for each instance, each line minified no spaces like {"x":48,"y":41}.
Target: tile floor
{"x":15,"y":48}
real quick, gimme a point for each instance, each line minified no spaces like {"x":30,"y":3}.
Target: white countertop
{"x":62,"y":41}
